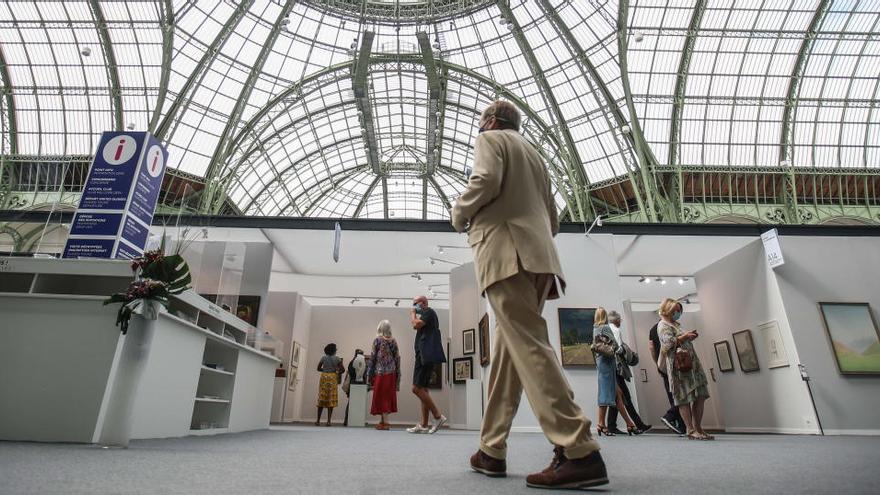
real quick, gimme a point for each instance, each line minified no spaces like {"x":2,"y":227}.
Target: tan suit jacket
{"x":509,"y":204}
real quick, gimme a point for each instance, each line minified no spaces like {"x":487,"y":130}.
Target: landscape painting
{"x":852,"y":332}
{"x":576,"y":335}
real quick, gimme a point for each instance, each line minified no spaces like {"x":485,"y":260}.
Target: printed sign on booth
{"x":119,"y":198}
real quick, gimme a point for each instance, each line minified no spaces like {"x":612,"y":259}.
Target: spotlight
{"x":377,"y":301}
{"x":440,"y":249}
{"x":436,"y":46}
{"x":416,"y":276}
{"x":397,"y":303}
{"x":639,"y":37}
{"x":682,"y":280}
{"x":659,"y":280}
{"x":625,"y":129}
{"x":647,"y":280}
{"x":431,"y":261}
{"x":643,"y":280}
{"x":510,"y":26}
{"x":285,"y":21}
{"x":502,"y":21}
{"x":130,"y":126}
{"x":86,"y":51}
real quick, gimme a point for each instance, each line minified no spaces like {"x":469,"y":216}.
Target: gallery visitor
{"x":356,"y":374}
{"x":384,"y":374}
{"x":509,"y":211}
{"x":626,"y":357}
{"x":331,"y":369}
{"x":672,"y":418}
{"x":429,"y":352}
{"x":687,"y":381}
{"x":606,"y":349}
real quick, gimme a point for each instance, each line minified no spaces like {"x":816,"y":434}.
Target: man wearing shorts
{"x":429,"y":351}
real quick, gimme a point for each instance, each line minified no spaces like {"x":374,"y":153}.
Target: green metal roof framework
{"x":645,"y":110}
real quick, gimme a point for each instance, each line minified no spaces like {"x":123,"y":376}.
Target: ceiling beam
{"x":164,"y":130}
{"x":10,"y":104}
{"x":112,"y":67}
{"x":166,"y":24}
{"x":365,"y":197}
{"x":362,"y":96}
{"x":434,"y":101}
{"x":577,"y":177}
{"x":215,"y":190}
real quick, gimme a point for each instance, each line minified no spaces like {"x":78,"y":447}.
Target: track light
{"x":416,"y":276}
{"x":397,"y":303}
{"x":682,"y":280}
{"x":440,"y":249}
{"x":646,"y":280}
{"x":377,"y":301}
{"x":431,"y":261}
{"x":660,"y":281}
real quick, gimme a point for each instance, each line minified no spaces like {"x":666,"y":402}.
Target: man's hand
{"x":459,"y":223}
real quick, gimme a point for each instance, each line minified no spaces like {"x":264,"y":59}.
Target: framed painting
{"x":576,"y":336}
{"x":745,"y":351}
{"x":722,"y":354}
{"x":469,"y":342}
{"x":448,"y":371}
{"x":484,"y":340}
{"x":436,"y":379}
{"x":295,"y":351}
{"x":853,"y":336}
{"x":291,"y":378}
{"x":777,"y":357}
{"x":463,"y":369}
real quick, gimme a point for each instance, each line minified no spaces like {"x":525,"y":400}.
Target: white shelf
{"x":208,"y":431}
{"x":213,"y":370}
{"x":206,"y":399}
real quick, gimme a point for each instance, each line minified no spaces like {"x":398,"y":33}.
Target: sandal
{"x":706,"y":436}
{"x":603,"y":430}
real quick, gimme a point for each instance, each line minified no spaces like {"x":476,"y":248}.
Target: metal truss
{"x":112,"y":67}
{"x":362,"y":97}
{"x":396,"y":12}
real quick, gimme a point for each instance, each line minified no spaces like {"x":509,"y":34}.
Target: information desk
{"x":61,"y":356}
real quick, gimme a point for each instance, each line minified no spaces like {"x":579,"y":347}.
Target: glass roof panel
{"x":297,"y":143}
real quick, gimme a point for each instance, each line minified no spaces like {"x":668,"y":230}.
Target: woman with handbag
{"x":331,"y":369}
{"x":687,"y":380}
{"x":605,"y":348}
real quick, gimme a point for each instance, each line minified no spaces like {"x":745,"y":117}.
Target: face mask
{"x":676,"y":316}
{"x":416,"y":307}
{"x":481,"y":130}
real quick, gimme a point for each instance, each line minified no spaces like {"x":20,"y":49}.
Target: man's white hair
{"x":613,"y":316}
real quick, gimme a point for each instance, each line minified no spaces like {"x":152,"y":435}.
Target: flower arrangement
{"x":157,"y":276}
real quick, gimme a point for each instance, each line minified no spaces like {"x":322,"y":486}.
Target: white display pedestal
{"x":473,"y":404}
{"x":357,"y":406}
{"x":278,"y":399}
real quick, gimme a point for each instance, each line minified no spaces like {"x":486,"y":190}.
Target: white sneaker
{"x":418,"y":429}
{"x":438,"y":423}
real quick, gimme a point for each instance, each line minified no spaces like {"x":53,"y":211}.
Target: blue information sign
{"x":119,"y":198}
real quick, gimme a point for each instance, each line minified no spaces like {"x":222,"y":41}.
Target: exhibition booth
{"x":763,"y":329}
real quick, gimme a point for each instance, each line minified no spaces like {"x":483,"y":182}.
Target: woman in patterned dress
{"x":690,"y":389}
{"x":384,"y":374}
{"x":331,"y":369}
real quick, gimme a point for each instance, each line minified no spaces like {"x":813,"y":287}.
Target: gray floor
{"x":338,"y":461}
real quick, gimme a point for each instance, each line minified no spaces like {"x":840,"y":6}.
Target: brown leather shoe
{"x":490,"y":466}
{"x":572,"y":474}
{"x":558,"y":458}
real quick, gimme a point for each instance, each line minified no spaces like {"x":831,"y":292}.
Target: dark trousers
{"x":672,"y":415}
{"x":627,"y":402}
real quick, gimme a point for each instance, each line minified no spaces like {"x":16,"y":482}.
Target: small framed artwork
{"x":484,"y":340}
{"x":722,"y":354}
{"x":469,"y":341}
{"x":777,"y":357}
{"x":448,"y":371}
{"x":853,"y":337}
{"x":644,"y":374}
{"x":745,"y":351}
{"x":436,"y":379}
{"x":463,"y":369}
{"x":291,"y":378}
{"x":295,"y":352}
{"x":576,"y":336}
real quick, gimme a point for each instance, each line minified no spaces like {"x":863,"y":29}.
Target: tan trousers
{"x":524,"y":360}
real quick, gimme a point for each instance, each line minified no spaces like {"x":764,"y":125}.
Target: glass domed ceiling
{"x":368,"y":108}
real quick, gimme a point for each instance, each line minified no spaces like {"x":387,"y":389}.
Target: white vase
{"x":125,"y":377}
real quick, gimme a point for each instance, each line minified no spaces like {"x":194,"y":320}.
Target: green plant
{"x":157,"y":277}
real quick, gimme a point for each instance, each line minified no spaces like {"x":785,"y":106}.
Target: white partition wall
{"x":740,"y":292}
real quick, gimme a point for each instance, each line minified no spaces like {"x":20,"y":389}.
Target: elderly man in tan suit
{"x":510,"y":215}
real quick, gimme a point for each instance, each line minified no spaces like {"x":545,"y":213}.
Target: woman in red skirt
{"x":384,"y":374}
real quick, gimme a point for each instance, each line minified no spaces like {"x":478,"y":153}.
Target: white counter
{"x":61,"y":351}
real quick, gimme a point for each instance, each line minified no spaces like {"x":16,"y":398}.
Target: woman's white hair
{"x":384,"y":328}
